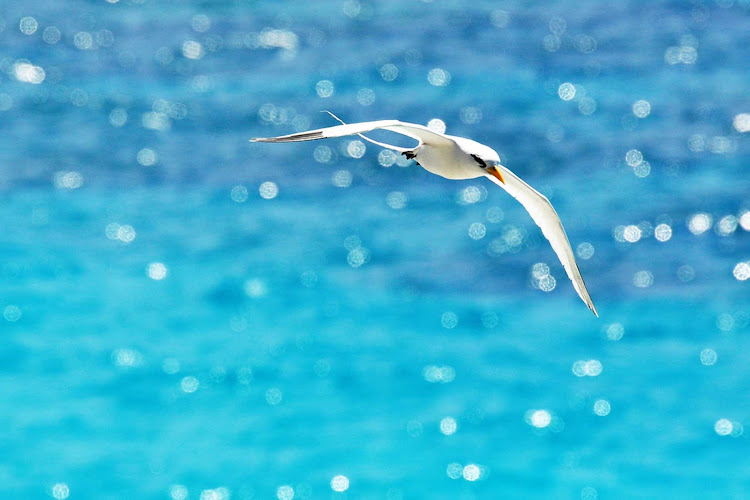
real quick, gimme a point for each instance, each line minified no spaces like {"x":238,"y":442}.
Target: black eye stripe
{"x":481,"y":162}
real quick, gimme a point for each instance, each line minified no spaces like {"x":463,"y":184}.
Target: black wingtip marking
{"x":306,"y":136}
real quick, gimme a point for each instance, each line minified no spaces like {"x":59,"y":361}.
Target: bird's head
{"x":487,"y":159}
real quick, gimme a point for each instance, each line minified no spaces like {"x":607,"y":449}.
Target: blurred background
{"x":187,"y":315}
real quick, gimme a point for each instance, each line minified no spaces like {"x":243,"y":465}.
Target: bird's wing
{"x":417,"y":132}
{"x":546,"y":218}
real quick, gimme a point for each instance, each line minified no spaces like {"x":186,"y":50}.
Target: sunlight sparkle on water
{"x":441,"y":374}
{"x":414,"y":428}
{"x":585,"y":250}
{"x":28,"y":73}
{"x":356,"y":149}
{"x":60,"y":491}
{"x":285,"y":492}
{"x":388,"y":72}
{"x":741,"y":271}
{"x":118,"y":117}
{"x":643,"y":279}
{"x":396,"y":200}
{"x":147,"y":157}
{"x":615,"y":331}
{"x":471,"y":472}
{"x":156,"y":271}
{"x":641,"y":109}
{"x":477,"y":231}
{"x":723,"y":427}
{"x":342,"y":178}
{"x":324,"y":88}
{"x":448,"y":426}
{"x":192,"y":49}
{"x":633,"y":157}
{"x":68,"y":180}
{"x":12,"y":313}
{"x":589,"y":493}
{"x":239,"y":194}
{"x":741,"y":122}
{"x":178,"y":492}
{"x":268,"y":190}
{"x":189,"y":384}
{"x":470,"y":115}
{"x":699,"y":223}
{"x":449,"y":320}
{"x":323,"y":154}
{"x":685,"y":273}
{"x":340,"y":483}
{"x":28,"y":25}
{"x":708,"y":357}
{"x":591,"y":368}
{"x":745,"y":220}
{"x":566,"y":91}
{"x":127,"y":358}
{"x":436,"y":125}
{"x":495,"y":215}
{"x":51,"y":35}
{"x":602,"y":407}
{"x":663,"y":232}
{"x":631,"y":233}
{"x":538,"y":418}
{"x":386,"y":158}
{"x":274,"y":396}
{"x":726,"y":225}
{"x":454,"y":470}
{"x":439,"y":77}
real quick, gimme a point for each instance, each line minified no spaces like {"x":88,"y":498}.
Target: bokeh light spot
{"x":436,"y":125}
{"x":641,"y":109}
{"x":324,"y":88}
{"x":708,"y":357}
{"x":602,"y":407}
{"x":239,"y":194}
{"x":449,"y":320}
{"x":340,"y":483}
{"x":566,"y":91}
{"x":699,"y":223}
{"x":439,"y":77}
{"x":448,"y":426}
{"x":268,"y":190}
{"x":741,"y":271}
{"x":157,"y":271}
{"x":28,"y":25}
{"x":189,"y":384}
{"x":643,"y":279}
{"x":723,"y":427}
{"x":60,"y":491}
{"x":615,"y":331}
{"x":477,"y":231}
{"x":285,"y":492}
{"x":12,"y":313}
{"x":274,"y":396}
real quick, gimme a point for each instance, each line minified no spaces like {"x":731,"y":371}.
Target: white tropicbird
{"x":459,"y":158}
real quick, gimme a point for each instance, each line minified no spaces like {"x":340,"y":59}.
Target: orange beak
{"x":496,"y":173}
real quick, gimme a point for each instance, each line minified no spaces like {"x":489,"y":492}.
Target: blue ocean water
{"x":189,"y":315}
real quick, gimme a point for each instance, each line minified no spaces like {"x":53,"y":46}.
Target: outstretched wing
{"x":546,"y":218}
{"x":417,"y":132}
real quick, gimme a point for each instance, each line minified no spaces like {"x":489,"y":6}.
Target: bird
{"x":460,"y":158}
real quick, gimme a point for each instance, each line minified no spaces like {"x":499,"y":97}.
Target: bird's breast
{"x":448,"y":162}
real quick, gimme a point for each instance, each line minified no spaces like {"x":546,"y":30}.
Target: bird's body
{"x":460,"y":158}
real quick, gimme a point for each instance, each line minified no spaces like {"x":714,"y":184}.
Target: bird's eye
{"x":480,"y":161}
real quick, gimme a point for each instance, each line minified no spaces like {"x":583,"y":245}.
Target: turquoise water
{"x":189,"y":315}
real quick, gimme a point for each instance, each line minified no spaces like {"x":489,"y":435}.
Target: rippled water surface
{"x":189,"y":315}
